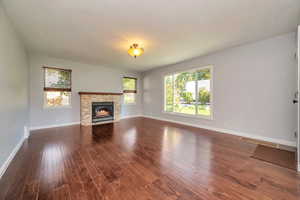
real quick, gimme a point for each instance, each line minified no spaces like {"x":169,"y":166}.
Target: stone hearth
{"x":86,"y":100}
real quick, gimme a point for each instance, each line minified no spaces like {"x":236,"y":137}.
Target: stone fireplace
{"x":97,"y":108}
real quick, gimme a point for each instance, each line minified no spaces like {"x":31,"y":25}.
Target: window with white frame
{"x":129,"y":90}
{"x":189,"y":92}
{"x":57,"y":87}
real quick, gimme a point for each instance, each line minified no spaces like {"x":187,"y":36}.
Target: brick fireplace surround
{"x":86,"y":99}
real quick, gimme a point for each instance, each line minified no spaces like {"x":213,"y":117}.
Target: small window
{"x":189,"y":92}
{"x":57,"y":87}
{"x":129,"y":90}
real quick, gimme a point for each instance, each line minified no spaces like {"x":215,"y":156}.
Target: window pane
{"x":57,"y":99}
{"x":189,"y":92}
{"x":129,"y":84}
{"x":129,"y":98}
{"x":169,"y":93}
{"x":185,"y":93}
{"x":204,"y":92}
{"x":56,"y":78}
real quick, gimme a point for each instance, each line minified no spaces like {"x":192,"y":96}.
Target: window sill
{"x":188,"y":115}
{"x":129,"y":104}
{"x":57,"y":107}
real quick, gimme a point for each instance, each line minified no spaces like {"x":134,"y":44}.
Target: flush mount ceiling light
{"x":135,"y":50}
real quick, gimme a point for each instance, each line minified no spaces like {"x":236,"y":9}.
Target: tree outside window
{"x":189,"y":92}
{"x":57,"y":87}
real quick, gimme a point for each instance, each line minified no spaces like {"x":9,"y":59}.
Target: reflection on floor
{"x":103,"y":132}
{"x":143,"y":158}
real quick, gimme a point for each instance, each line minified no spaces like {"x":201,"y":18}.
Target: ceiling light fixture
{"x":135,"y":51}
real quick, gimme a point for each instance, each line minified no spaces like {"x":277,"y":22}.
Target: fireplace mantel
{"x":99,"y":93}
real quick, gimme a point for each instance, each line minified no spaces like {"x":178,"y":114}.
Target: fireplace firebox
{"x":102,"y":111}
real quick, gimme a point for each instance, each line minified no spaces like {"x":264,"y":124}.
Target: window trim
{"x":47,"y":89}
{"x":130,"y":91}
{"x":211,"y":117}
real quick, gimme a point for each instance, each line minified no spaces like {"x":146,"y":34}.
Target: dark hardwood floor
{"x":143,"y":159}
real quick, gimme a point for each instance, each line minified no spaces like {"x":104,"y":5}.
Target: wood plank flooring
{"x":143,"y":159}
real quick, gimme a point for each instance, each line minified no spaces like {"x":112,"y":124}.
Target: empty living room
{"x":150,"y":100}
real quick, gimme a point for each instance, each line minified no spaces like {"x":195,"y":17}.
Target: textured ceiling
{"x":101,"y":31}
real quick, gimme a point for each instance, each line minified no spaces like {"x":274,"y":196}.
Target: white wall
{"x":298,"y":56}
{"x":84,"y":78}
{"x":254,"y":86}
{"x":13,"y":88}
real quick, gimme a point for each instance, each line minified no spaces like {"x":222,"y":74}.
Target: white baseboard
{"x":26,"y":132}
{"x":131,"y":116}
{"x":53,"y":126}
{"x":72,"y":123}
{"x":232,"y":132}
{"x":221,"y":130}
{"x":11,"y":157}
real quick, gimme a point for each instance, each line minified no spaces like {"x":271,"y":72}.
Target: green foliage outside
{"x":203,"y":74}
{"x":185,"y":109}
{"x":129,"y":84}
{"x":181,"y":80}
{"x":183,"y":100}
{"x":129,"y":98}
{"x":63,"y":76}
{"x":169,"y":90}
{"x":204,"y":96}
{"x":187,"y":96}
{"x":204,"y":110}
{"x":190,"y":109}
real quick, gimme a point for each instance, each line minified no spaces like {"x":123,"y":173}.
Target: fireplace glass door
{"x":102,"y":111}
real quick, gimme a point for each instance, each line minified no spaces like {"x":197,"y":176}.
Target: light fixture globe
{"x":135,"y":51}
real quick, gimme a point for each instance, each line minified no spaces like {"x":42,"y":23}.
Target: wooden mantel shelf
{"x":99,"y":93}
